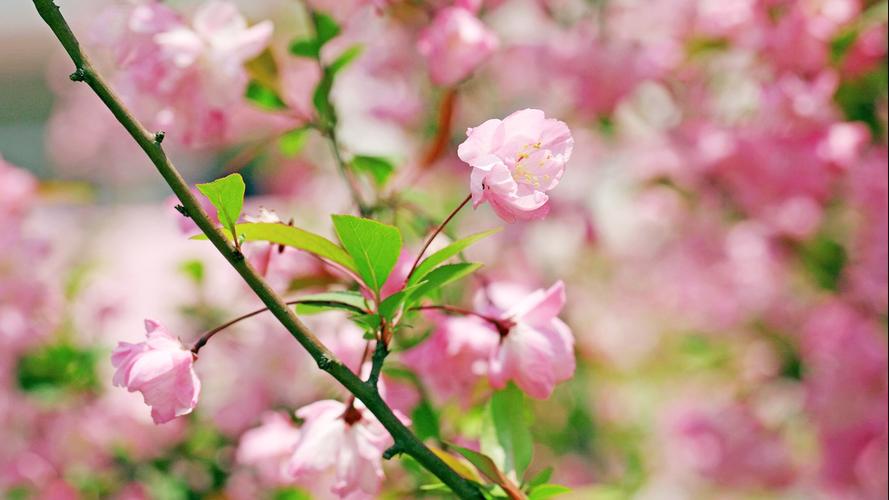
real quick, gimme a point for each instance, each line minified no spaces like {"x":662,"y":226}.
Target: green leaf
{"x":291,"y":143}
{"x":321,"y":100}
{"x":227,"y":195}
{"x":490,"y":470}
{"x":441,"y":276}
{"x":193,"y":269}
{"x":342,"y":300}
{"x":345,"y":58}
{"x":294,"y":237}
{"x":459,"y":465}
{"x":52,"y":369}
{"x":542,"y":477}
{"x":545,"y":491}
{"x":446,"y":253}
{"x":326,"y":28}
{"x":374,"y":246}
{"x":305,"y":47}
{"x":264,"y":97}
{"x":825,"y":260}
{"x":424,"y":420}
{"x":379,"y":169}
{"x":506,"y":435}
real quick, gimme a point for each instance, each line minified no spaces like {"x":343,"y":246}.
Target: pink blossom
{"x":515,"y":161}
{"x":731,"y":447}
{"x":349,"y":443}
{"x":454,"y":45}
{"x":455,"y":356}
{"x":161,"y":369}
{"x":17,"y":189}
{"x":269,"y":446}
{"x":538,"y":350}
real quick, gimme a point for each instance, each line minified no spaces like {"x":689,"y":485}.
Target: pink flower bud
{"x":454,"y":45}
{"x":515,"y":161}
{"x":161,"y":369}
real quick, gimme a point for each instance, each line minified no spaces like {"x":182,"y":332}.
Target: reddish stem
{"x":435,"y":233}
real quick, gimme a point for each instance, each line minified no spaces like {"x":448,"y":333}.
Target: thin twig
{"x":434,"y":234}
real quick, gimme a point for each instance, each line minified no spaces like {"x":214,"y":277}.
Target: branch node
{"x":78,"y":76}
{"x":159,"y":137}
{"x":182,"y":210}
{"x":324,"y":362}
{"x":237,"y":255}
{"x":392,"y":451}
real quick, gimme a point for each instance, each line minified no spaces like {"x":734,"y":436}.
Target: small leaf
{"x":264,"y":97}
{"x":291,"y":143}
{"x":321,"y":100}
{"x":545,"y":491}
{"x":263,"y":69}
{"x":441,"y":276}
{"x":458,"y":464}
{"x":446,"y":253}
{"x":487,"y":467}
{"x":326,"y":28}
{"x":370,"y":322}
{"x":374,"y":246}
{"x":342,"y":300}
{"x":380,"y":169}
{"x":506,"y":435}
{"x":305,"y":47}
{"x":541,"y":477}
{"x":294,"y":237}
{"x":193,"y":269}
{"x":227,"y":195}
{"x":345,"y":58}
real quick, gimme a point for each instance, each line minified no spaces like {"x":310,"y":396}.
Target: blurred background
{"x":721,"y":229}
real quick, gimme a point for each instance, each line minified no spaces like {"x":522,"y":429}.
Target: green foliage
{"x":424,"y":420}
{"x":193,"y":269}
{"x":227,"y":195}
{"x":859,"y":98}
{"x":374,"y":246}
{"x":291,"y":493}
{"x":58,"y":368}
{"x":545,"y":491}
{"x":340,"y":300}
{"x":294,"y":237}
{"x":825,"y":260}
{"x":345,"y":58}
{"x":379,"y":169}
{"x":292,"y":142}
{"x":264,"y":96}
{"x":429,"y":263}
{"x":441,"y":276}
{"x":506,"y":435}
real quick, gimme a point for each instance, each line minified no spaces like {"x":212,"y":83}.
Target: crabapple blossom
{"x":515,"y":161}
{"x":537,"y":351}
{"x":269,"y":446}
{"x":345,"y":442}
{"x":454,"y":45}
{"x":161,"y":369}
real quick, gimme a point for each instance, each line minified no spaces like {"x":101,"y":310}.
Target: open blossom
{"x":463,"y":344}
{"x":161,"y":369}
{"x":455,"y":44}
{"x":515,"y":161}
{"x":538,"y":350}
{"x":345,"y":442}
{"x":269,"y":446}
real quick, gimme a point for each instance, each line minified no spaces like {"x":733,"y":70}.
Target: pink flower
{"x":454,"y":45}
{"x":18,"y":189}
{"x":349,"y":443}
{"x":538,"y":350}
{"x":218,"y":43}
{"x":515,"y":161}
{"x":269,"y":446}
{"x":455,"y":356}
{"x":731,"y":447}
{"x":161,"y":369}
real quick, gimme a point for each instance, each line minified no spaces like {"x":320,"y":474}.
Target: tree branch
{"x":150,"y":144}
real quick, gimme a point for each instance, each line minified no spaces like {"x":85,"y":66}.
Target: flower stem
{"x":435,"y":233}
{"x":150,"y":144}
{"x":503,"y":325}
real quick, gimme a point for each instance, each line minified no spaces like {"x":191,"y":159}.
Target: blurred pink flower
{"x":731,"y":447}
{"x":515,"y":161}
{"x":538,"y":350}
{"x":454,"y":45}
{"x":18,"y":189}
{"x":347,"y":442}
{"x":161,"y":369}
{"x":269,"y":446}
{"x":455,"y":356}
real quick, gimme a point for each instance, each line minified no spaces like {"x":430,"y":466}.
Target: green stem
{"x":151,"y":145}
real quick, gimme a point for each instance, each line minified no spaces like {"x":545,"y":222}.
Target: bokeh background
{"x":721,"y":229}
